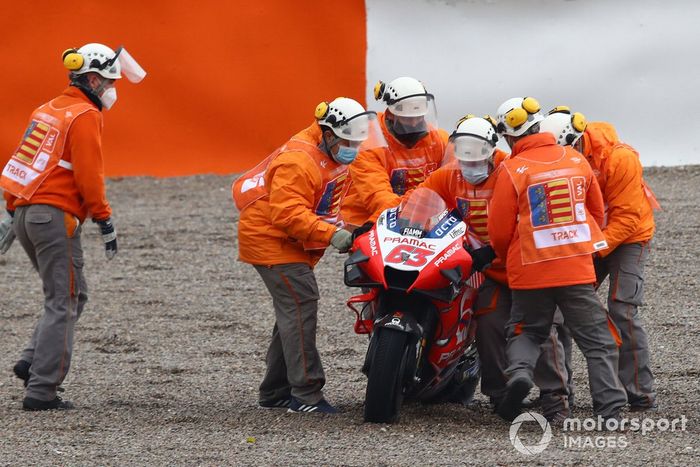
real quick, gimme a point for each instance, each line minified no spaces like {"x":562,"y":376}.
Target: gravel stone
{"x":170,"y":351}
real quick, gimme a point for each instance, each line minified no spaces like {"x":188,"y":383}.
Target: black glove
{"x":363,"y":229}
{"x":482,"y":257}
{"x":109,"y":237}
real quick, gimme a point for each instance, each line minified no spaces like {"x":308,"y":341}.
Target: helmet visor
{"x":467,"y":148}
{"x":130,"y":67}
{"x":412,"y":114}
{"x":362,"y":130}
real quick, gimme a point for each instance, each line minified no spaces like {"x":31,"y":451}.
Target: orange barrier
{"x":227,"y":81}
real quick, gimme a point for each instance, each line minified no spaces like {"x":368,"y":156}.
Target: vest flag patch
{"x":475,"y":214}
{"x":329,"y":204}
{"x":31,"y":141}
{"x":550,"y":203}
{"x":406,"y":179}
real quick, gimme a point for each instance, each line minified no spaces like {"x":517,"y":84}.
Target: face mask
{"x":475,"y":175}
{"x":345,"y":155}
{"x":108,"y":98}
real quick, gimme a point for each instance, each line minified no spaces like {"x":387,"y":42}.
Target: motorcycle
{"x":416,"y":306}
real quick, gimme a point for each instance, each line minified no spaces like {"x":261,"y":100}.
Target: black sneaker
{"x":319,"y":407}
{"x":32,"y":404}
{"x":281,"y":403}
{"x":510,"y":406}
{"x":21,"y":370}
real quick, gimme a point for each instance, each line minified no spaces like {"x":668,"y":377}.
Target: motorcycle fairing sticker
{"x":444,"y":227}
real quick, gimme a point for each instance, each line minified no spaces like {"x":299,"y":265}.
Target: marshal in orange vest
{"x":545,"y":215}
{"x":304,"y":223}
{"x":381,"y":176}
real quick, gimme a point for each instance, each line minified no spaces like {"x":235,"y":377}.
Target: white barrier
{"x":633,"y":63}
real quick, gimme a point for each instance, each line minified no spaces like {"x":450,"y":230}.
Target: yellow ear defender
{"x":321,"y":110}
{"x":72,"y":60}
{"x":516,"y":117}
{"x":578,"y":121}
{"x":531,"y":105}
{"x":379,"y":90}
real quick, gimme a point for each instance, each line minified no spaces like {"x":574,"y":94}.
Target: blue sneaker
{"x":281,"y":403}
{"x":320,"y":407}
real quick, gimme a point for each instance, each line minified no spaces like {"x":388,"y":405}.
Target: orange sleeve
{"x":368,"y":174}
{"x":594,"y":201}
{"x":442,"y":182}
{"x":499,"y":157}
{"x":84,"y":144}
{"x":503,"y":214}
{"x":292,"y":182}
{"x":624,"y":193}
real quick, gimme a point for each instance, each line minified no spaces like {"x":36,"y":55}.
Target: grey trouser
{"x":293,"y":363}
{"x":625,"y":266}
{"x":58,"y":257}
{"x":531,"y":321}
{"x":564,"y":342}
{"x":493,"y":306}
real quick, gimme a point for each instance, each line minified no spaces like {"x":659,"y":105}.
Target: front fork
{"x":401,"y":322}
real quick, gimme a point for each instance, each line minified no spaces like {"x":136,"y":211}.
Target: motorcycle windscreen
{"x":420,"y":212}
{"x":130,"y":67}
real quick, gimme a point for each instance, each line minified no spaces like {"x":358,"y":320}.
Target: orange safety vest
{"x":473,"y":201}
{"x":395,"y":169}
{"x":552,"y":197}
{"x":474,"y":207}
{"x":408,"y":167}
{"x":250,"y":186}
{"x":41,"y":148}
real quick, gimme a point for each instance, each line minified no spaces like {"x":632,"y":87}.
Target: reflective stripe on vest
{"x":41,"y":149}
{"x":65,"y":164}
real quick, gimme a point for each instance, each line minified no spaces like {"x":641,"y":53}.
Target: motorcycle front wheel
{"x":384,"y":382}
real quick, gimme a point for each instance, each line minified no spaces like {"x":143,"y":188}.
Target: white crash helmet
{"x":473,"y":140}
{"x":404,"y":97}
{"x":100,"y":59}
{"x":94,"y":57}
{"x":567,"y":127}
{"x":344,"y":117}
{"x":517,"y":115}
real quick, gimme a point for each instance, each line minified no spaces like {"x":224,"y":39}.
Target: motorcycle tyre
{"x":384,"y":393}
